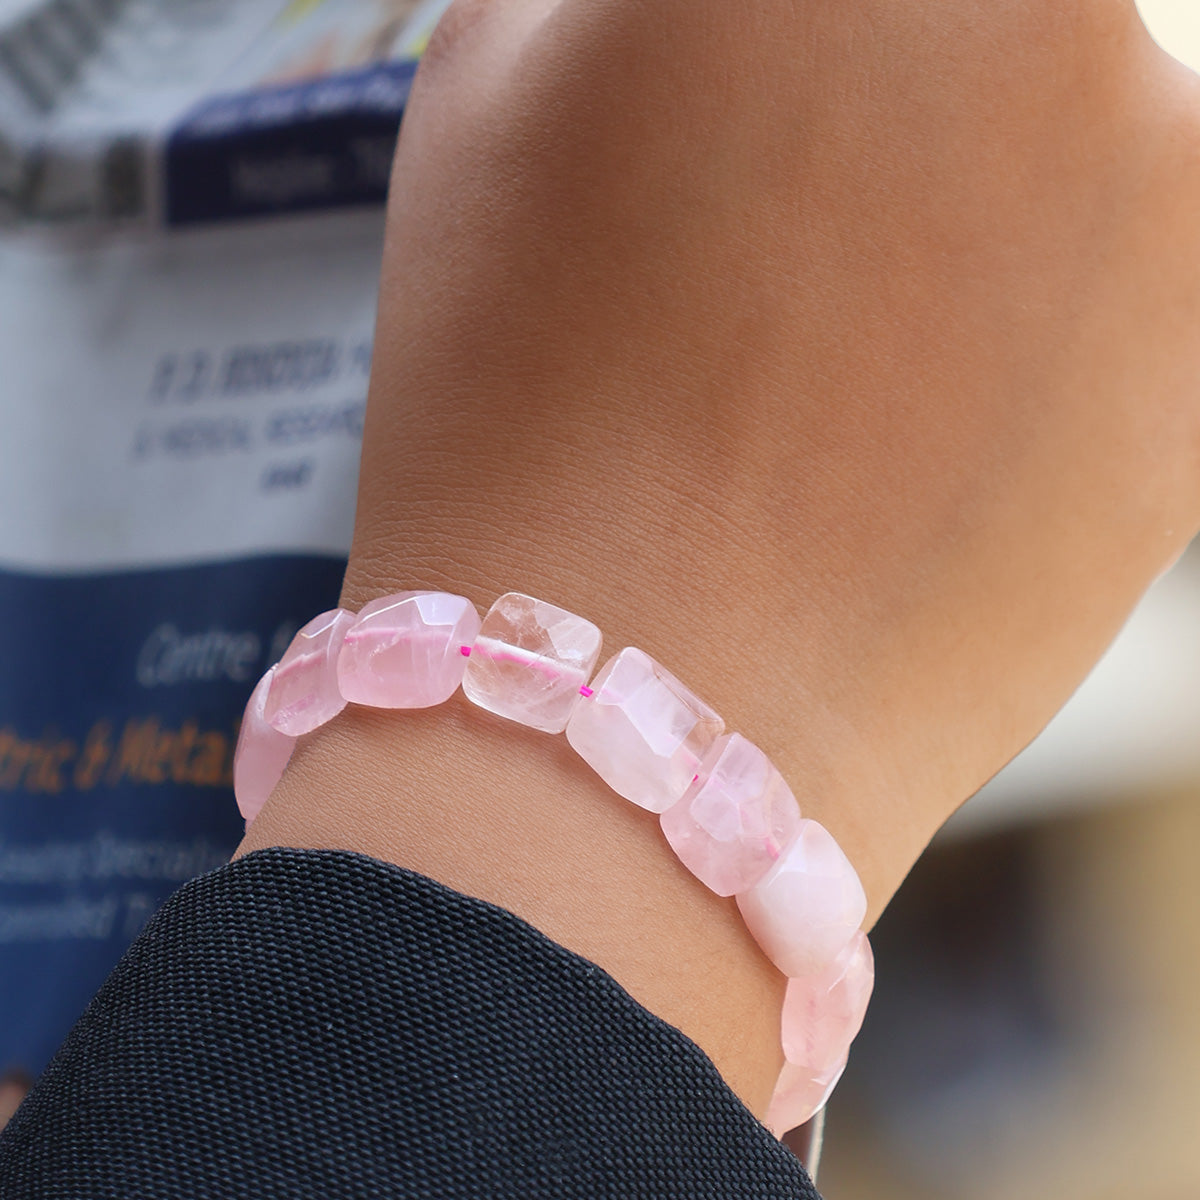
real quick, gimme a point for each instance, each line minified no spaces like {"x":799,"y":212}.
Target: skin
{"x":13,"y":1088}
{"x":842,"y":357}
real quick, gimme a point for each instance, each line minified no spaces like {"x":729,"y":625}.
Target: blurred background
{"x":191,"y":194}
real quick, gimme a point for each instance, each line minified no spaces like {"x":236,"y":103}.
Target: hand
{"x":841,"y":357}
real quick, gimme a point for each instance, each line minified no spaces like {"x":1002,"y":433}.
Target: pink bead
{"x":642,"y":731}
{"x":735,"y":819}
{"x":405,"y":651}
{"x":530,"y":660}
{"x":304,"y":692}
{"x":799,"y":1095}
{"x":261,"y":754}
{"x":822,"y":1014}
{"x":805,"y":911}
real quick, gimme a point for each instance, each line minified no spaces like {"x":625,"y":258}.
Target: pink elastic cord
{"x":724,"y":808}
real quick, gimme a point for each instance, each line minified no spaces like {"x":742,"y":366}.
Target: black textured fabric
{"x":319,"y":1024}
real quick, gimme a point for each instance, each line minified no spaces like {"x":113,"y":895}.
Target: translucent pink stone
{"x":261,"y":754}
{"x":808,"y":907}
{"x":530,"y":661}
{"x":736,"y":818}
{"x":304,"y":691}
{"x":642,"y":731}
{"x":823,"y":1013}
{"x":799,"y":1095}
{"x":405,"y":651}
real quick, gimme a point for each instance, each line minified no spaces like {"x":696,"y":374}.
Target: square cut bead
{"x":530,"y":661}
{"x":808,"y":907}
{"x":823,"y":1013}
{"x":799,"y":1095}
{"x":304,"y":692}
{"x":735,"y":820}
{"x":642,"y":731}
{"x":262,"y":754}
{"x":405,"y":651}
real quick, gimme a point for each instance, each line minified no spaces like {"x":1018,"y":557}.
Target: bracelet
{"x":724,"y":808}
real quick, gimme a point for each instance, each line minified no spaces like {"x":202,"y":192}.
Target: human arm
{"x":840,"y":359}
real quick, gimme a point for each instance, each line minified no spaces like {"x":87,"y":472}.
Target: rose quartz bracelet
{"x":726,"y":811}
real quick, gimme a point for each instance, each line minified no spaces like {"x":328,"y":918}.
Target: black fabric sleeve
{"x":319,"y":1024}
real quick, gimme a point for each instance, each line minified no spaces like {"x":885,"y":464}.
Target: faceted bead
{"x":530,"y":661}
{"x":736,"y":818}
{"x":642,"y":731}
{"x":823,"y":1013}
{"x":808,"y":907}
{"x":405,"y":651}
{"x":261,"y":755}
{"x":304,"y":691}
{"x":799,"y":1095}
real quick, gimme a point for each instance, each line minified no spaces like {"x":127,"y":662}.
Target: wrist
{"x":725,"y":809}
{"x":631,"y":514}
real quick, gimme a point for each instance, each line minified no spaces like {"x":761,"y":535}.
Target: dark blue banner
{"x":319,"y":144}
{"x":120,"y":699}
